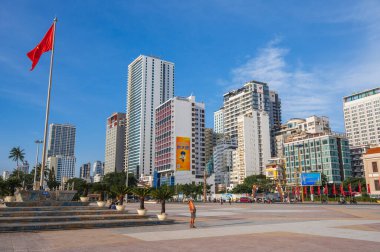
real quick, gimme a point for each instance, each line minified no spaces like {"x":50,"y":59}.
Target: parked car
{"x":245,"y":200}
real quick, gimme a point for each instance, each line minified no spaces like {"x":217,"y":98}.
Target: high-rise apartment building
{"x":98,"y":168}
{"x":219,"y":121}
{"x":61,"y":140}
{"x":209,"y":143}
{"x":115,"y":143}
{"x":253,"y":95}
{"x":64,"y":166}
{"x":24,"y":167}
{"x":85,"y":171}
{"x":362,"y":117}
{"x":325,"y":152}
{"x":150,"y":83}
{"x":275,"y":119}
{"x":61,"y":150}
{"x":223,"y":161}
{"x":179,"y":141}
{"x":253,"y":151}
{"x":357,"y":164}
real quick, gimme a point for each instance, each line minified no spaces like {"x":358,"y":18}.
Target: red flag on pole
{"x":334,"y":189}
{"x":311,"y":189}
{"x":350,"y":189}
{"x":45,"y":45}
{"x":360,"y":187}
{"x":305,"y":190}
{"x":341,"y":190}
{"x":319,"y":190}
{"x":368,"y":189}
{"x":326,"y":190}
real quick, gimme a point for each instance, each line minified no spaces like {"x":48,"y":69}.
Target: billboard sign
{"x":183,"y":154}
{"x":311,"y":179}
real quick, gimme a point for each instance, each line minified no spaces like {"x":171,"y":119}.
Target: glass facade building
{"x":327,"y":153}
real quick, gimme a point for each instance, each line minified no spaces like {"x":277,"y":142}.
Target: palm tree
{"x":141,"y":192}
{"x":100,"y":188}
{"x":162,"y":194}
{"x":16,"y":154}
{"x":120,"y":191}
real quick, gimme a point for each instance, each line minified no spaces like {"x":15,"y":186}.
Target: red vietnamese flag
{"x":305,"y":190}
{"x":360,"y":187}
{"x":368,"y":189}
{"x":334,"y":189}
{"x":45,"y":45}
{"x":341,"y":190}
{"x":326,"y":190}
{"x":319,"y":190}
{"x":311,"y":189}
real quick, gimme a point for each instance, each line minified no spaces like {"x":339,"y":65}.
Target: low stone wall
{"x":37,"y":195}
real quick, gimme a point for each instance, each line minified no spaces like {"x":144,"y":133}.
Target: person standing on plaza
{"x":193,"y":210}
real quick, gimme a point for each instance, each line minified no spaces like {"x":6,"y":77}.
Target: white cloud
{"x":299,"y":90}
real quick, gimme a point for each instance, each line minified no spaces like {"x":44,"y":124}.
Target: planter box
{"x":101,"y":203}
{"x":141,"y":212}
{"x":161,"y":217}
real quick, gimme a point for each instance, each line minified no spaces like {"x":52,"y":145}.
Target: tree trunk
{"x":162,"y":206}
{"x":142,"y":203}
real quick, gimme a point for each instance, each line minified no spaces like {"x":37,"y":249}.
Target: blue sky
{"x":312,"y":52}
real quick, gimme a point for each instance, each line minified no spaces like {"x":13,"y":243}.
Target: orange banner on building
{"x":183,"y":154}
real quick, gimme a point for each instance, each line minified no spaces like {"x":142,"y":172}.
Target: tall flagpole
{"x":47,"y":109}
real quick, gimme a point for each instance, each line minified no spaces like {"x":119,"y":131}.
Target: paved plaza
{"x":236,"y":227}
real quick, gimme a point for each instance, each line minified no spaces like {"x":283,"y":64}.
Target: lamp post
{"x":300,"y":171}
{"x":35,"y":186}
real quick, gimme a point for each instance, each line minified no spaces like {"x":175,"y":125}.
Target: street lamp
{"x":300,"y":171}
{"x":38,"y":142}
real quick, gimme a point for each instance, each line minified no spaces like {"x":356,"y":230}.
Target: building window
{"x":374,"y":167}
{"x":377,"y":184}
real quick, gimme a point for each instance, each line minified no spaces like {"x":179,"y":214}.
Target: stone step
{"x":45,"y":203}
{"x":67,"y":225}
{"x":50,"y":212}
{"x":49,"y":208}
{"x":70,"y":218}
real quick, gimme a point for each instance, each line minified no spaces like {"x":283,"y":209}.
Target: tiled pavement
{"x":242,"y":227}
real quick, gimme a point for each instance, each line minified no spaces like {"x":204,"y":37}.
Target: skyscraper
{"x":219,"y":121}
{"x":98,"y":168}
{"x":150,"y":83}
{"x":362,"y":117}
{"x":115,"y":143}
{"x":61,"y":146}
{"x":180,"y":141}
{"x":253,"y":149}
{"x":254,"y":95}
{"x":85,"y":171}
{"x":275,"y":119}
{"x":61,"y":140}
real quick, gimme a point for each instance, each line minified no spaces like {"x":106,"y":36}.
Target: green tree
{"x":26,"y":180}
{"x":52,"y":182}
{"x":324,"y":179}
{"x":17,"y":154}
{"x":141,"y":192}
{"x":10,"y":185}
{"x":242,"y":188}
{"x":355,"y":184}
{"x":163,"y":194}
{"x":263,"y":184}
{"x":78,"y":185}
{"x":119,"y":178}
{"x":101,"y":188}
{"x":120,"y":191}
